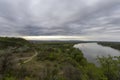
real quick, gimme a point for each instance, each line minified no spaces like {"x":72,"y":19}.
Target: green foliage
{"x":27,"y":78}
{"x":6,"y":42}
{"x":10,"y":78}
{"x":115,"y":45}
{"x":94,"y":73}
{"x":55,"y":61}
{"x":110,"y":67}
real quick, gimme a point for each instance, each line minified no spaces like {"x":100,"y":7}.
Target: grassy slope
{"x":60,"y":61}
{"x":6,"y":42}
{"x":54,"y":61}
{"x":18,"y":47}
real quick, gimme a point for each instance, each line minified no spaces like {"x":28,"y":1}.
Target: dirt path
{"x":29,"y":58}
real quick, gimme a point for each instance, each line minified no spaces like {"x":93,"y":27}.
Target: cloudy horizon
{"x":73,"y":19}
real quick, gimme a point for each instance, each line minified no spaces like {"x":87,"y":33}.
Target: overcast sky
{"x":91,"y":19}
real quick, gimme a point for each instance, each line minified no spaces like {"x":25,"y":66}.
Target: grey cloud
{"x":60,"y":17}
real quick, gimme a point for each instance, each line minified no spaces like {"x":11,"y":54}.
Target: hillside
{"x":6,"y":42}
{"x":22,"y":60}
{"x":115,"y":45}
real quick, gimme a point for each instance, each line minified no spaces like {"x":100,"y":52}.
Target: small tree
{"x":110,"y":66}
{"x":6,"y":63}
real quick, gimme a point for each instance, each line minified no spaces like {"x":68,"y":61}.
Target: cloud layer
{"x":95,"y":19}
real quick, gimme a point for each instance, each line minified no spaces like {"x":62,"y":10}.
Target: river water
{"x":92,"y":50}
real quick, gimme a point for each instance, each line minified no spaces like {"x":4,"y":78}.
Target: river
{"x":92,"y":50}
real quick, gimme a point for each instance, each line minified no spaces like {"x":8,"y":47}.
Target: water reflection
{"x":92,"y":50}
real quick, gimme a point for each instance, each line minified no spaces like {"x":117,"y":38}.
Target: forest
{"x":24,"y":60}
{"x":115,"y":45}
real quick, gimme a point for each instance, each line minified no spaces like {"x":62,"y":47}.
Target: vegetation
{"x":110,"y":67}
{"x":6,"y":42}
{"x":22,"y":60}
{"x":115,"y":45}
